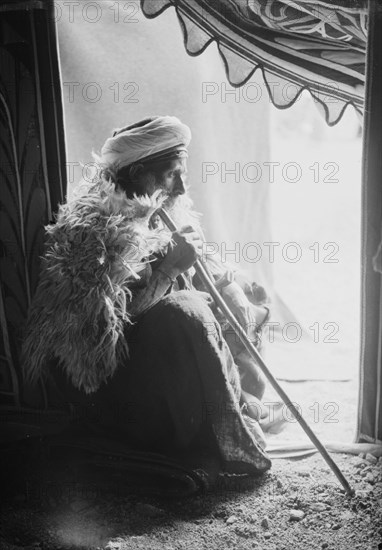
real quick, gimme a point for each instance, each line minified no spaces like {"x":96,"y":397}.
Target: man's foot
{"x":274,"y":419}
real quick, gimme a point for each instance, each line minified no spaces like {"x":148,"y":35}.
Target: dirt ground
{"x":298,"y":504}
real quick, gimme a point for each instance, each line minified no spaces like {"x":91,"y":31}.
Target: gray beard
{"x":181,"y":211}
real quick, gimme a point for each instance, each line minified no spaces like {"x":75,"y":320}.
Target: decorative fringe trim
{"x":96,"y":249}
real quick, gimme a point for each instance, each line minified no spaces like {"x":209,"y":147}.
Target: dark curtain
{"x":370,"y":413}
{"x":32,"y":172}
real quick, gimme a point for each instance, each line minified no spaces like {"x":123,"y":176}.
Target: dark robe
{"x":179,"y":390}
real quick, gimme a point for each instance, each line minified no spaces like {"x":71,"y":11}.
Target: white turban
{"x":146,"y":140}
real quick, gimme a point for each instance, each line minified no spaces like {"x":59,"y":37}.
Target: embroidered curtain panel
{"x":297,"y":44}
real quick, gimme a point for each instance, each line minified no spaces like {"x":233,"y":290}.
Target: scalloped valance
{"x":319,"y":45}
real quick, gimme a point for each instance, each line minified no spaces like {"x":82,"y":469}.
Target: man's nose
{"x":180,"y":184}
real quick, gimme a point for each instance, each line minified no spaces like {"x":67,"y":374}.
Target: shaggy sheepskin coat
{"x":98,"y":247}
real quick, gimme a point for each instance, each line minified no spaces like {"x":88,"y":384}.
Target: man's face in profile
{"x":172,"y":180}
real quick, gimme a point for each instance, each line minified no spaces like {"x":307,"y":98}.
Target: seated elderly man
{"x":120,"y":325}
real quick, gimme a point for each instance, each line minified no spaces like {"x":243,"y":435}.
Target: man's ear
{"x":135,"y":172}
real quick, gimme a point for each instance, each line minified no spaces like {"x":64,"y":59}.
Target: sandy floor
{"x":298,"y":505}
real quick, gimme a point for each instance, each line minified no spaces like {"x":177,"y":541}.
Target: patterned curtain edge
{"x":331,"y":114}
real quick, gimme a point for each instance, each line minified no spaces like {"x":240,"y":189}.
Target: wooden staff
{"x":208,"y":283}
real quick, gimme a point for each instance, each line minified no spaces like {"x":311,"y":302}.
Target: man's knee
{"x":191,"y":310}
{"x":181,"y":311}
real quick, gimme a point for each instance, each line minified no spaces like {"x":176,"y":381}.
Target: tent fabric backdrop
{"x":144,"y":61}
{"x":309,"y":44}
{"x":302,"y":44}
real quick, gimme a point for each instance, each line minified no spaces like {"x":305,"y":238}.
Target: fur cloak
{"x":99,"y":245}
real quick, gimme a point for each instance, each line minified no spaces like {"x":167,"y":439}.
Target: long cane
{"x":203,"y":275}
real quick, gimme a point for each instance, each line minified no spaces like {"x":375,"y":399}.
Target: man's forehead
{"x":178,"y":164}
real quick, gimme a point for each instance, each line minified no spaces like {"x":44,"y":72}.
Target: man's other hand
{"x":241,"y":307}
{"x":185,"y":248}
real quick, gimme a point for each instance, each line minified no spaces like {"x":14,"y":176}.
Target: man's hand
{"x":183,"y":252}
{"x":249,"y":315}
{"x":239,"y":305}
